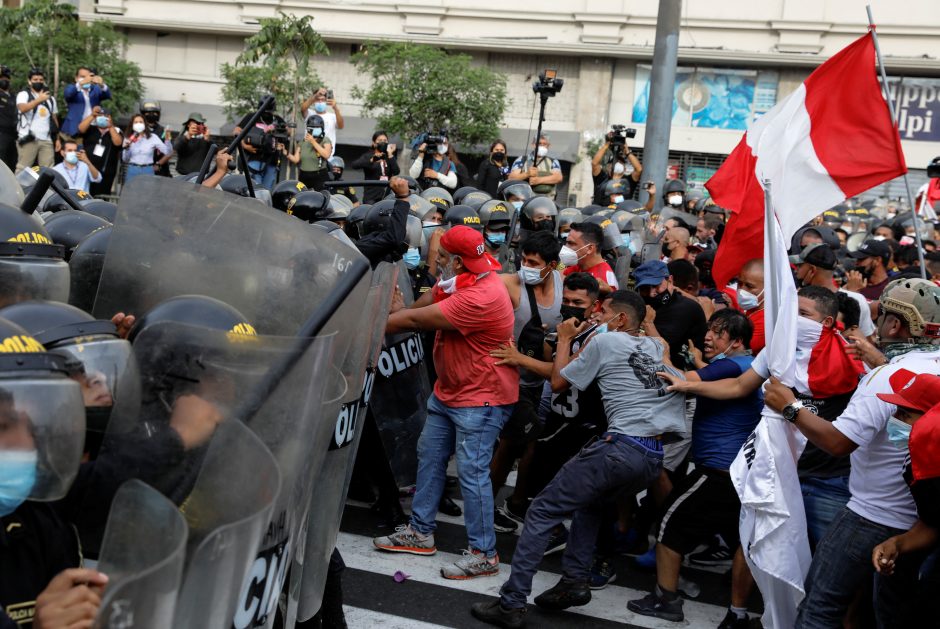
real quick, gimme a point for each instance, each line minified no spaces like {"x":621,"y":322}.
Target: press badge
{"x":98,"y":151}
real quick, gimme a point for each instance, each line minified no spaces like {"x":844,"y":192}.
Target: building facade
{"x":736,"y":59}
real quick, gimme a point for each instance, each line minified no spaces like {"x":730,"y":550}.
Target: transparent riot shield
{"x":142,"y":554}
{"x":622,"y":267}
{"x":308,"y":575}
{"x":11,"y":192}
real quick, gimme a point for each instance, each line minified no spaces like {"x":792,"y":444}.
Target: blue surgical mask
{"x":412,"y":258}
{"x":17,"y":478}
{"x":717,"y":357}
{"x":517,"y":204}
{"x":101,"y":121}
{"x":71,"y":157}
{"x":530,"y":276}
{"x":86,"y":86}
{"x":496,"y":238}
{"x":319,"y":107}
{"x":748,"y":300}
{"x":601,"y":329}
{"x":316,"y":132}
{"x":898,"y":433}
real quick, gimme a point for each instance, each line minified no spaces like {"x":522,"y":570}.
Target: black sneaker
{"x":502,"y":524}
{"x":732,"y":621}
{"x":563,"y":595}
{"x":449,"y":507}
{"x":514,"y":511}
{"x":493,"y":613}
{"x":558,"y":542}
{"x":655,"y":605}
{"x":716,"y":555}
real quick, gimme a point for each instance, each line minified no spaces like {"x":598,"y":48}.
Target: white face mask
{"x":675,"y":200}
{"x":568,"y":256}
{"x":531,"y":276}
{"x":542,"y":151}
{"x":618,"y":168}
{"x":748,"y":300}
{"x":618,"y":198}
{"x":139,"y":127}
{"x":441,"y":149}
{"x":807,"y":333}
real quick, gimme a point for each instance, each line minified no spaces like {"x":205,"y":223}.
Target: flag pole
{"x":894,"y":119}
{"x":771,"y":297}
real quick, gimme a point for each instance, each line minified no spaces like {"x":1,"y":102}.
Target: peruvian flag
{"x":829,"y":140}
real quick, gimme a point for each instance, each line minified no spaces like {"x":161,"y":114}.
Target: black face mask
{"x":665,"y":249}
{"x":572,"y":312}
{"x":38,"y":86}
{"x":865,"y":271}
{"x":498,"y":157}
{"x":382,"y":147}
{"x":545,"y":226}
{"x":4,"y":84}
{"x":658,"y":301}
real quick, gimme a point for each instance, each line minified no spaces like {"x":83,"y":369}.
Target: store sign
{"x":918,"y":108}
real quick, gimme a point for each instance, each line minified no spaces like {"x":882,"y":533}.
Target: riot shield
{"x":308,"y":575}
{"x":142,"y":554}
{"x":622,"y":268}
{"x":11,"y":192}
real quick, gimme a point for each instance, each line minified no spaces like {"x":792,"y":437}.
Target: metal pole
{"x":207,"y":162}
{"x":772,"y":290}
{"x":894,"y":119}
{"x":662,"y":88}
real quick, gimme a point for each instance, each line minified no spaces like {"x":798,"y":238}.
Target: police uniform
{"x":8,"y":119}
{"x":35,"y":546}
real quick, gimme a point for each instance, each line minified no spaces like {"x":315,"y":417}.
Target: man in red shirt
{"x":751,"y":299}
{"x":473,"y":397}
{"x":582,"y":253}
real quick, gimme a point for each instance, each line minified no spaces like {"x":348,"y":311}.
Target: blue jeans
{"x":135,"y":171}
{"x":263,"y":174}
{"x":471,"y":432}
{"x":823,"y":500}
{"x":598,"y":473}
{"x":842,"y":564}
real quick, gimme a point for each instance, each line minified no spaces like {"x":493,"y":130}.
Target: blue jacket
{"x":76,"y":104}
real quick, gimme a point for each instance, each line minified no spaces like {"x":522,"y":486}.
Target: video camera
{"x":617,"y":138}
{"x":548,"y":83}
{"x":267,"y":141}
{"x":432,"y":139}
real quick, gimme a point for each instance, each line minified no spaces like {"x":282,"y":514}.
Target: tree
{"x":417,"y":88}
{"x":276,"y":60}
{"x":47,"y":34}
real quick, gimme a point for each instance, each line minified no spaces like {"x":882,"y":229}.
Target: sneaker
{"x":406,"y":540}
{"x":558,"y":542}
{"x":717,"y":554}
{"x":653,"y":604}
{"x":689,"y":589}
{"x":514,"y":511}
{"x":449,"y":507}
{"x":504,"y":524}
{"x":473,"y":564}
{"x":494,"y":613}
{"x":647,"y":560}
{"x":602,"y":573}
{"x":732,"y":621}
{"x":564,"y":594}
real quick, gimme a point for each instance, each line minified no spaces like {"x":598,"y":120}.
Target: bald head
{"x":680,"y":235}
{"x":751,"y":277}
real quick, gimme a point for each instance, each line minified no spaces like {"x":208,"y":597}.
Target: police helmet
{"x":626,"y":221}
{"x":284,"y":191}
{"x":539,"y":214}
{"x":354,"y":220}
{"x":461,"y":193}
{"x":521,"y":190}
{"x":194,"y":310}
{"x":591,"y":209}
{"x":630,"y":205}
{"x":55,"y":203}
{"x":615,"y":187}
{"x":463,"y":215}
{"x":612,"y":237}
{"x":337,"y":162}
{"x":413,"y":186}
{"x":85,"y":267}
{"x":149,"y":106}
{"x":476,"y":199}
{"x":310,"y":206}
{"x":672,"y":186}
{"x":334,"y":231}
{"x":568,"y":216}
{"x":378,"y":217}
{"x":414,"y":235}
{"x":32,"y":266}
{"x":69,"y":227}
{"x":439,"y":197}
{"x":339,"y":209}
{"x":495,"y":212}
{"x":101,"y":209}
{"x":235,"y":184}
{"x":28,"y":177}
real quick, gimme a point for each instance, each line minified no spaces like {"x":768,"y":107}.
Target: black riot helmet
{"x":630,"y":205}
{"x":315,"y":126}
{"x":337,"y":163}
{"x":101,"y":209}
{"x":413,"y":186}
{"x":150,"y":110}
{"x":476,"y":199}
{"x":539,"y":214}
{"x":612,"y":237}
{"x":235,"y":184}
{"x":438,"y":196}
{"x":85,"y":267}
{"x":310,"y":206}
{"x":378,"y":217}
{"x":495,"y":212}
{"x":463,"y":215}
{"x":28,"y":177}
{"x":354,"y":220}
{"x":31,"y":265}
{"x":284,"y":191}
{"x":615,"y":187}
{"x":55,"y":203}
{"x":69,"y":227}
{"x":672,"y":188}
{"x":194,"y":310}
{"x":461,"y":193}
{"x":514,"y":191}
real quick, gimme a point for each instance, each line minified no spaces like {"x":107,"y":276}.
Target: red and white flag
{"x":829,"y":140}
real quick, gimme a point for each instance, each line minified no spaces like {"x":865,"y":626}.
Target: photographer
{"x":81,"y":97}
{"x":38,"y":126}
{"x":192,"y":145}
{"x":319,"y":104}
{"x":494,"y":169}
{"x":544,"y":175}
{"x":378,"y":164}
{"x":610,"y":163}
{"x":313,"y":155}
{"x":261,"y":145}
{"x":436,"y":170}
{"x":76,"y":167}
{"x":102,"y":140}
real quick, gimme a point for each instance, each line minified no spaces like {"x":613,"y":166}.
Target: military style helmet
{"x":101,"y":209}
{"x":339,"y":210}
{"x":625,"y":221}
{"x":414,"y":235}
{"x":147,"y":106}
{"x":538,"y":214}
{"x":413,"y":186}
{"x":310,"y":206}
{"x":916,"y":301}
{"x":463,"y":215}
{"x":284,"y":191}
{"x":495,"y":212}
{"x":28,"y":177}
{"x":476,"y":199}
{"x":674,"y":185}
{"x":589,"y":210}
{"x":518,"y":189}
{"x":630,"y":205}
{"x":439,"y":197}
{"x":69,"y":227}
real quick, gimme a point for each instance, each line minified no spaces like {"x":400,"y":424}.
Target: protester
{"x":544,"y":175}
{"x":77,"y":168}
{"x":815,"y":266}
{"x":750,"y":299}
{"x":870,"y":276}
{"x":38,"y":127}
{"x":676,"y":244}
{"x":140,"y":146}
{"x":102,"y":142}
{"x":678,"y":319}
{"x":582,"y":253}
{"x":192,"y":145}
{"x":494,"y":169}
{"x":82,"y":97}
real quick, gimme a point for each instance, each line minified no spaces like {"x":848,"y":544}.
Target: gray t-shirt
{"x":635,"y":398}
{"x":550,"y":316}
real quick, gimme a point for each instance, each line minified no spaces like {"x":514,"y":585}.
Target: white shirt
{"x":79,"y":177}
{"x":865,"y":325}
{"x":876,"y":482}
{"x":37,"y":119}
{"x":329,"y":125}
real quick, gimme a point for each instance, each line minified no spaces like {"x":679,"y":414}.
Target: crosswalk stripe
{"x":358,"y":617}
{"x":608,"y":604}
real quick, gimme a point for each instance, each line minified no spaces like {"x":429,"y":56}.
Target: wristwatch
{"x":790,"y":411}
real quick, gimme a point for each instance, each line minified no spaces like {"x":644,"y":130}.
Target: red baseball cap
{"x":467,"y":243}
{"x":919,"y":391}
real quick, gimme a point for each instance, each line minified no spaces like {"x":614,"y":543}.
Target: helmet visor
{"x":32,"y":278}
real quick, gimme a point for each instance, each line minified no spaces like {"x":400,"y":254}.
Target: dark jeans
{"x":600,"y":471}
{"x":841,"y":565}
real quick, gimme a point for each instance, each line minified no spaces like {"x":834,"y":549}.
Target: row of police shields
{"x":215,"y":537}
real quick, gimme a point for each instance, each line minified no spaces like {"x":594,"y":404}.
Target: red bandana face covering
{"x":445,"y":288}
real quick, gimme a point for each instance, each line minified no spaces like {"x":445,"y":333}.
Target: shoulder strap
{"x":533,"y":305}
